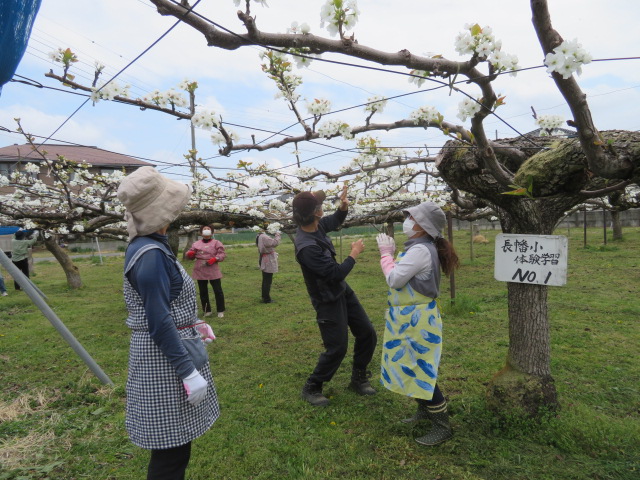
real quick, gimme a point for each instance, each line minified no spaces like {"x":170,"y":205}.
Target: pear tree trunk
{"x":70,"y":270}
{"x":616,"y":225}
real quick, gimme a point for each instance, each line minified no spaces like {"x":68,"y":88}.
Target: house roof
{"x":556,"y":132}
{"x":93,"y":155}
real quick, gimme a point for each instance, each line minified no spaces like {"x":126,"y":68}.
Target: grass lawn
{"x":58,"y":422}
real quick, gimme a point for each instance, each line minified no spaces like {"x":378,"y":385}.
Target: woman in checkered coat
{"x":171,"y":397}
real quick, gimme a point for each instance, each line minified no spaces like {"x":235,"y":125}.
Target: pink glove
{"x":211,"y":261}
{"x":196,"y":387}
{"x":191,"y":254}
{"x":205,"y":331}
{"x":386,"y":244}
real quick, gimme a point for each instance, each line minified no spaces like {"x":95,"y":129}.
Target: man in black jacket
{"x":338,"y":310}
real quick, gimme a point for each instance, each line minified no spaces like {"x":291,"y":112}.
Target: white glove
{"x":386,"y":244}
{"x":196,"y":388}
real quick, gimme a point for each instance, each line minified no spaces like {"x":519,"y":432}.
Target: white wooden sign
{"x":536,"y":259}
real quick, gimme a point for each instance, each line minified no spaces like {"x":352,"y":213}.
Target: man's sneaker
{"x":312,"y":393}
{"x":4,"y":294}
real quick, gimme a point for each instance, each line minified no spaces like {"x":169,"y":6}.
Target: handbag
{"x":197,"y":351}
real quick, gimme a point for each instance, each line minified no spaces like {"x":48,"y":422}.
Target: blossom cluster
{"x":468,"y":108}
{"x":426,"y":114}
{"x":319,"y":106}
{"x":481,"y":42}
{"x":339,"y":15}
{"x":375,"y":104}
{"x":206,"y":119}
{"x":219,"y":139}
{"x":302,"y":28}
{"x":169,"y":98}
{"x":274,"y":228}
{"x":549,"y":122}
{"x":109,"y":91}
{"x":419,"y":76}
{"x":567,"y":58}
{"x":335,"y":127}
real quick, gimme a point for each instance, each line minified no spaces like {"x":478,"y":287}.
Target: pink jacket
{"x":268,"y":255}
{"x":203,"y":252}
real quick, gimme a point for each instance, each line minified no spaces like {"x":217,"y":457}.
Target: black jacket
{"x":323,"y":275}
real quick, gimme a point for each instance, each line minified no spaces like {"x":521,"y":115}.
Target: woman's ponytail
{"x":447,"y":255}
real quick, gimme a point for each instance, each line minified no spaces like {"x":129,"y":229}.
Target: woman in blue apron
{"x":171,"y":397}
{"x":412,"y":343}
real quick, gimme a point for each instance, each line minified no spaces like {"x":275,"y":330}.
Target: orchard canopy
{"x":471,"y":175}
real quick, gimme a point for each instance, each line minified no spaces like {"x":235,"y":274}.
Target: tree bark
{"x":191,"y":237}
{"x":616,"y":225}
{"x":70,"y":270}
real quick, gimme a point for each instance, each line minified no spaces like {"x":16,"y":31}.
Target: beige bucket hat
{"x":152,"y":200}
{"x":430,"y":217}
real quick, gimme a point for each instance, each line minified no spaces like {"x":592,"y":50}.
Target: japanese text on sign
{"x":536,"y":259}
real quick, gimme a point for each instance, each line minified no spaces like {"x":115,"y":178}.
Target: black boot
{"x":360,"y":382}
{"x":421,"y":413}
{"x":440,"y":428}
{"x":312,"y":393}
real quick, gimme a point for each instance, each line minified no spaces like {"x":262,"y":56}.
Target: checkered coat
{"x":157,"y":413}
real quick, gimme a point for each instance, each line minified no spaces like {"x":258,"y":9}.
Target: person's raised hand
{"x":356,"y":248}
{"x":386,"y":244}
{"x":344,"y":201}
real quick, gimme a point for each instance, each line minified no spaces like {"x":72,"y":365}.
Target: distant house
{"x":14,"y":157}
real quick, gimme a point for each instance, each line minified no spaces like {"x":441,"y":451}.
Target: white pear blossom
{"x":109,"y":91}
{"x":335,"y":127}
{"x":277,"y":205}
{"x":206,"y":119}
{"x":426,"y":114}
{"x":31,"y":168}
{"x":319,"y":106}
{"x":482,"y":42}
{"x":219,"y":139}
{"x":274,"y":228}
{"x":548,"y":123}
{"x":418,"y":77}
{"x":468,"y":108}
{"x":567,"y":59}
{"x":339,"y":14}
{"x":375,"y":104}
{"x":302,"y":28}
{"x":255,"y":213}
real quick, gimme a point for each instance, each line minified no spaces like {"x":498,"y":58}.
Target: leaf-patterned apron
{"x":412,"y":343}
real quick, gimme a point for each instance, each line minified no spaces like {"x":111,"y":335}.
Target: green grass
{"x":58,"y":422}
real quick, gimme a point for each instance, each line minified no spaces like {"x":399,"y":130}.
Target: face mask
{"x":206,"y":233}
{"x":407,"y":227}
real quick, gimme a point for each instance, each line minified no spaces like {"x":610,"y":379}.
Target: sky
{"x":115,"y":32}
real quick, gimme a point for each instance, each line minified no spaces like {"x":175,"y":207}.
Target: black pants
{"x":23,"y":265}
{"x":437,"y":398}
{"x":335,"y":319}
{"x":204,"y":294}
{"x":267,"y":278}
{"x":170,"y":463}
